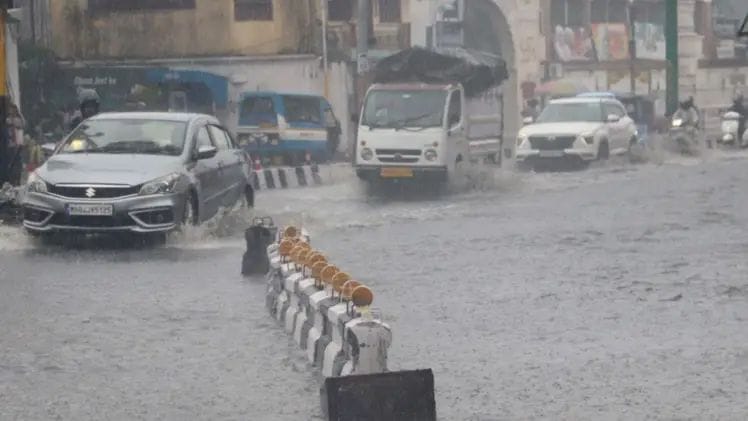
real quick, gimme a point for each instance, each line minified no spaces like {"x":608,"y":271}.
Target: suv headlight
{"x":161,"y":185}
{"x":588,"y":138}
{"x":35,"y":184}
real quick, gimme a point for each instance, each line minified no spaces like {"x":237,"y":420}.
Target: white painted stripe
{"x":319,"y":323}
{"x":335,"y":347}
{"x":261,"y":179}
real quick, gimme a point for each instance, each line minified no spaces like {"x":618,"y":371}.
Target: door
{"x":230,"y":162}
{"x":207,"y":173}
{"x":617,"y":131}
{"x":457,"y":145}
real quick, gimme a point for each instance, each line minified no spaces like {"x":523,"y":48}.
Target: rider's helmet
{"x":88,"y":100}
{"x":685,"y":104}
{"x":737,"y":99}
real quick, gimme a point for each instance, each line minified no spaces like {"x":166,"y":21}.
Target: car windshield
{"x":398,"y":109}
{"x":149,"y":137}
{"x":575,"y":111}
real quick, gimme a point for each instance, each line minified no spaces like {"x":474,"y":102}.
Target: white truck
{"x":426,"y":132}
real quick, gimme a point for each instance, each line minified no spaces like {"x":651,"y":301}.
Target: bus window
{"x":258,"y":111}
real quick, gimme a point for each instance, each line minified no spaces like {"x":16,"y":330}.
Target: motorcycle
{"x":729,"y":131}
{"x":684,"y":136}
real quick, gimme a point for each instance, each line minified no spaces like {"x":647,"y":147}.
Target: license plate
{"x":396,"y":172}
{"x":551,"y":154}
{"x":90,"y":210}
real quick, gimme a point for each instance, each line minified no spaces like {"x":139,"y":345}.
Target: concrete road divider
{"x":329,"y":315}
{"x":286,"y":177}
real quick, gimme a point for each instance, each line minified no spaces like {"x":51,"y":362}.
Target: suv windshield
{"x":397,"y":109}
{"x":151,"y":137}
{"x":572,"y":111}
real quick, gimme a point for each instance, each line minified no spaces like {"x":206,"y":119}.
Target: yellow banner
{"x":3,"y":70}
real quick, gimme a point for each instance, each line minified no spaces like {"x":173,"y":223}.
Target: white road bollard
{"x":329,"y":316}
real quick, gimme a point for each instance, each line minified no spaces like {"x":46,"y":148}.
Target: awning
{"x":218,"y":85}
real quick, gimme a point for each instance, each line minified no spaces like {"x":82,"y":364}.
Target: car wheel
{"x":603,"y":151}
{"x":189,"y":215}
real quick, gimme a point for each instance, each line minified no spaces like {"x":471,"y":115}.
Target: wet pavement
{"x":617,"y":292}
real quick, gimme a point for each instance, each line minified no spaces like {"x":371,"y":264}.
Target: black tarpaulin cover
{"x":477,"y":72}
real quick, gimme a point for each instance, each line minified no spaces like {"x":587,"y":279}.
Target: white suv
{"x":580,"y":128}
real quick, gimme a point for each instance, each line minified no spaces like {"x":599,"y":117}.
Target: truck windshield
{"x":398,"y":109}
{"x":575,"y":111}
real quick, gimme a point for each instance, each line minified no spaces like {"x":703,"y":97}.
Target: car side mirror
{"x":613,"y":118}
{"x":206,"y":152}
{"x":49,"y":148}
{"x":528,"y":120}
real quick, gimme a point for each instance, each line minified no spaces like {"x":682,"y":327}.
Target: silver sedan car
{"x":137,"y":172}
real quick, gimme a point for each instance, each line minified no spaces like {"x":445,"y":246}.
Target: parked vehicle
{"x":730,"y":131}
{"x":580,"y":129}
{"x":421,"y":131}
{"x":287,"y":128}
{"x":137,"y":172}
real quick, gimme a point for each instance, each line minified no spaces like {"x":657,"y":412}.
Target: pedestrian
{"x":14,"y":125}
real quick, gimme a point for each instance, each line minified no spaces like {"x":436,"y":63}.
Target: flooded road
{"x":618,"y":292}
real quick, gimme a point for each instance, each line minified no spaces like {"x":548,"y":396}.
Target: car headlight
{"x":727,"y":136}
{"x":161,"y":185}
{"x":35,"y":184}
{"x":430,"y":155}
{"x":677,"y":122}
{"x":367,"y":154}
{"x":521,"y":139}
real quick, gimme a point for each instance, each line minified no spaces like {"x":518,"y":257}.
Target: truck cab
{"x":414,"y":131}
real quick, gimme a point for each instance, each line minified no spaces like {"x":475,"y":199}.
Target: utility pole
{"x":362,"y":36}
{"x":5,"y":158}
{"x":323,"y":4}
{"x":671,"y":43}
{"x":632,"y":47}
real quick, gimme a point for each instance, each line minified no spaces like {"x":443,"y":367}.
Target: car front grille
{"x":95,"y":192}
{"x":557,"y":143}
{"x":61,"y":219}
{"x":394,"y":156}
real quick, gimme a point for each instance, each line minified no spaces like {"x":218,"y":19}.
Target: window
{"x":455,"y":109}
{"x":149,"y":137}
{"x":614,"y":109}
{"x":389,"y":11}
{"x":135,"y":5}
{"x":572,"y":111}
{"x":609,"y":11}
{"x":397,"y":109}
{"x":258,"y":111}
{"x":339,"y":10}
{"x":566,"y":13}
{"x":253,"y":9}
{"x":202,"y":138}
{"x":222,"y":139}
{"x":304,"y":110}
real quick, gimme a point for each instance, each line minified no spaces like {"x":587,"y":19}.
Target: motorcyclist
{"x":738,"y":106}
{"x":688,"y":113}
{"x":88,"y":101}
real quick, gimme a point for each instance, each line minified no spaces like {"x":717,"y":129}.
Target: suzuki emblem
{"x":90,"y":192}
{"x":398,"y":157}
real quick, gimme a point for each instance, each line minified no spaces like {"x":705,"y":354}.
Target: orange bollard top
{"x":362,"y":296}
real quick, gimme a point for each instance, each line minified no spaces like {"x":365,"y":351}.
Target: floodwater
{"x":616,"y":292}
